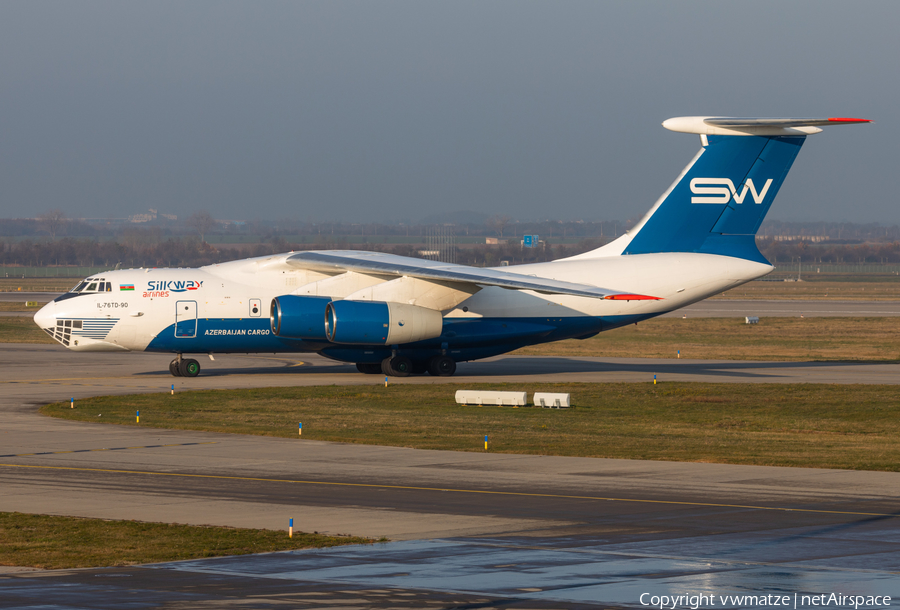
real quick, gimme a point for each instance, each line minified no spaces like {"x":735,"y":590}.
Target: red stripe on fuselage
{"x":631,"y":297}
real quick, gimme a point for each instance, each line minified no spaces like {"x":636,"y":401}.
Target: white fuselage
{"x":225,"y":307}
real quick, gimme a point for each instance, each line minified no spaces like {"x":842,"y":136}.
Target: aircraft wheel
{"x":173,"y":368}
{"x":442,"y":366}
{"x":189,"y":368}
{"x":369,"y":368}
{"x":401,"y":366}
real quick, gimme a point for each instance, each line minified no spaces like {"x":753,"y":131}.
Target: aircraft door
{"x":185,"y":319}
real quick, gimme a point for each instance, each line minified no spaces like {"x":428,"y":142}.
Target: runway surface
{"x":41,"y":373}
{"x":466,"y":529}
{"x":40,"y":297}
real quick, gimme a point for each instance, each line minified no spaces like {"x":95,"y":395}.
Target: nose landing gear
{"x":184,"y":367}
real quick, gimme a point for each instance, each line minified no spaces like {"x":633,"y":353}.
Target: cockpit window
{"x":93,"y":284}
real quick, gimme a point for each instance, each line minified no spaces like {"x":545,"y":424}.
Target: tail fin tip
{"x":707,"y":209}
{"x":754,"y":126}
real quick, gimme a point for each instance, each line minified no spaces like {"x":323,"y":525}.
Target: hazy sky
{"x":395,"y":111}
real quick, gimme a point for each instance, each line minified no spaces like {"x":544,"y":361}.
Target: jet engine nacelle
{"x":296,"y":317}
{"x":380,"y":323}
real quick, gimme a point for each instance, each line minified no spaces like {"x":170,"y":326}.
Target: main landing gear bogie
{"x":442,"y":366}
{"x":184,"y":367}
{"x":398,"y":366}
{"x":369,"y":368}
{"x":401,"y":366}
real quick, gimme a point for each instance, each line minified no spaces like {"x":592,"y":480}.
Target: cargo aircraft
{"x":395,"y":315}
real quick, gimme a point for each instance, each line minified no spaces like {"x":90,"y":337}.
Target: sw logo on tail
{"x":726,"y":192}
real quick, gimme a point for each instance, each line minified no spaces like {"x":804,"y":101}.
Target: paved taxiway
{"x":41,"y":373}
{"x":40,"y":297}
{"x":469,"y":528}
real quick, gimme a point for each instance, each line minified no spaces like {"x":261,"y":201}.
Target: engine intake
{"x":296,"y":317}
{"x":379,"y":323}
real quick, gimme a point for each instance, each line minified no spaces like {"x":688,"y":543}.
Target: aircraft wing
{"x":377,"y":263}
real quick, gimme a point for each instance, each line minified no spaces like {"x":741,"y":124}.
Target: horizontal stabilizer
{"x":711,"y":125}
{"x":733,"y":122}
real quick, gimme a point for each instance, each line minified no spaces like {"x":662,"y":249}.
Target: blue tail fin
{"x":721,"y":198}
{"x":720,"y":201}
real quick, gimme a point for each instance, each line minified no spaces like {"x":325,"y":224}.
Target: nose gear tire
{"x":173,"y":368}
{"x":189,"y":368}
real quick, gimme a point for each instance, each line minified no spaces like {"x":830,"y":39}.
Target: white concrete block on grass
{"x":484,"y":397}
{"x":551,"y":401}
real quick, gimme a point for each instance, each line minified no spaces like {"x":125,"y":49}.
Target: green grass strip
{"x":805,"y":425}
{"x":22,"y":329}
{"x":781,"y":339}
{"x":52,"y":542}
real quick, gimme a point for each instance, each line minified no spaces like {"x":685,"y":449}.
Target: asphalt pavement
{"x":466,"y":529}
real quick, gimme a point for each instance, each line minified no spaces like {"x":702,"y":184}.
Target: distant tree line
{"x":141,"y":251}
{"x":824,"y":252}
{"x":54,"y":224}
{"x":53,"y":240}
{"x":147,"y":249}
{"x":835,"y":231}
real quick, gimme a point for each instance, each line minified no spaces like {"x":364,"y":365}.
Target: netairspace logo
{"x":794,"y":601}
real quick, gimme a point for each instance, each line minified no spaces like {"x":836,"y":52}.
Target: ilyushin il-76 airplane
{"x":395,"y":315}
